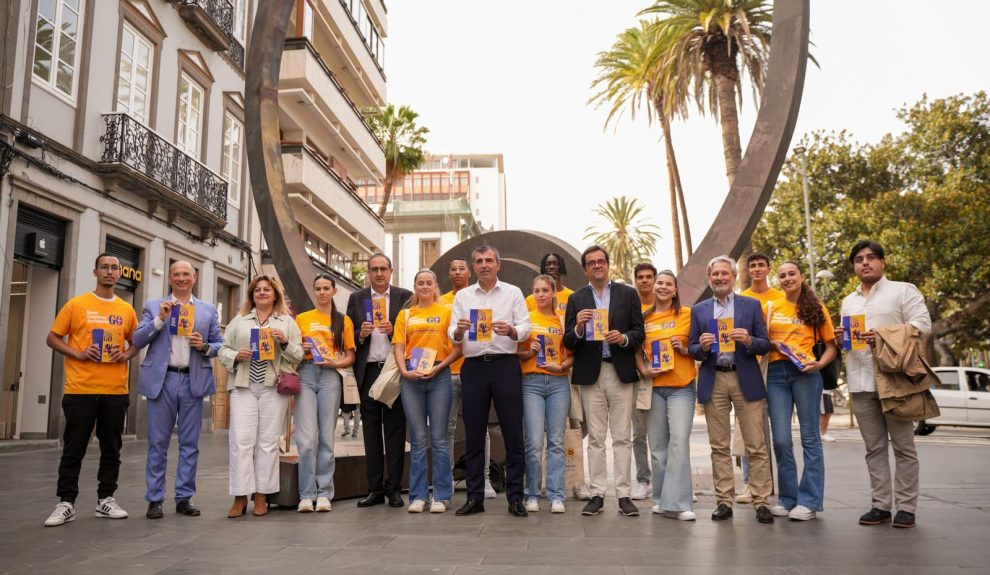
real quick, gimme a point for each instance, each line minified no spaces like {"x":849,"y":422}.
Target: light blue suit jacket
{"x":748,"y":315}
{"x":155,"y":364}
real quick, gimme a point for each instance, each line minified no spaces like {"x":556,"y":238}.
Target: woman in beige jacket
{"x":256,"y":409}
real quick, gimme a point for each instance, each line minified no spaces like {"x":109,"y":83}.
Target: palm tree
{"x":707,"y":40}
{"x":626,"y":238}
{"x":631,"y":74}
{"x":403,"y":141}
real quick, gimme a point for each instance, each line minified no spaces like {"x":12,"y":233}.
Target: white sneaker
{"x":828,"y":438}
{"x":657,"y":510}
{"x":745,"y":495}
{"x":305,"y":506}
{"x":533,"y":505}
{"x":323,"y":504}
{"x":63,"y":513}
{"x":557,"y":507}
{"x":641,"y":491}
{"x":779,"y":511}
{"x":489,"y":490}
{"x":581,"y":492}
{"x":438,"y":507}
{"x":801,"y":513}
{"x":110,"y":509}
{"x":417,"y":506}
{"x":680,"y":515}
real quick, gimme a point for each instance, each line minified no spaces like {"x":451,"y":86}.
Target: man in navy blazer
{"x":732,"y":380}
{"x":176,"y":374}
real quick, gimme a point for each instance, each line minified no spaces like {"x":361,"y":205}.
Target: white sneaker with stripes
{"x":108,"y":508}
{"x":63,"y":513}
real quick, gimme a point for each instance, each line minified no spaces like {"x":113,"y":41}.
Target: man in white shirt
{"x":883,"y":302}
{"x":491,"y":374}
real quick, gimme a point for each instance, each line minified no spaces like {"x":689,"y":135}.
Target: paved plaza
{"x":951,"y":537}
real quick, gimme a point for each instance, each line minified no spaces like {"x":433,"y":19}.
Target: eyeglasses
{"x":595,"y":263}
{"x":378,"y":270}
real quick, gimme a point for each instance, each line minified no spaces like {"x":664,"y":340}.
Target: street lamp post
{"x":800,"y":150}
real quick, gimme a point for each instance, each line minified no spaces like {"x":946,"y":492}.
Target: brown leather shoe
{"x":260,"y":504}
{"x":238,"y":508}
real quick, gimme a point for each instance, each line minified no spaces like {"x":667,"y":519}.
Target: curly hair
{"x":809,"y":307}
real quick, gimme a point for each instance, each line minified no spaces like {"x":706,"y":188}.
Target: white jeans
{"x":608,"y":405}
{"x":256,"y":417}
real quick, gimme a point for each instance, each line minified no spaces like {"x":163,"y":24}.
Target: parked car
{"x":963,"y":395}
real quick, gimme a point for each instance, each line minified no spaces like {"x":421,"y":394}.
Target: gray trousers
{"x":875,"y":427}
{"x":641,"y":453}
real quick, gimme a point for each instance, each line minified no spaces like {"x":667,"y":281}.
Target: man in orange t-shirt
{"x":98,"y":325}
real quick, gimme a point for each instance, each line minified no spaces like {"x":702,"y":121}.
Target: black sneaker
{"x":154,"y":510}
{"x":875,"y":517}
{"x":627,"y":507}
{"x":594,"y":507}
{"x":903,"y":520}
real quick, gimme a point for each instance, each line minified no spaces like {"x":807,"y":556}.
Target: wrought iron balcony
{"x":149,"y":165}
{"x":235,"y":53}
{"x":212,"y":20}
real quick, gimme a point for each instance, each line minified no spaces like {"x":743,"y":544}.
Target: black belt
{"x":607,"y":359}
{"x":178,"y":369}
{"x":492,"y":356}
{"x":725,"y":368}
{"x":380,"y":364}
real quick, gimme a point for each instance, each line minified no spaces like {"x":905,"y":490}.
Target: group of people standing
{"x":623,"y":361}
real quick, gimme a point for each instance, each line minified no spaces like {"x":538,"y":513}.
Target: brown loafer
{"x":238,"y":507}
{"x":260,"y":504}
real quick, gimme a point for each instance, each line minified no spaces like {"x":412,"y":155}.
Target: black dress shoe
{"x":518,"y":509}
{"x":594,"y":507}
{"x":904,"y":520}
{"x":154,"y":510}
{"x":185,"y":507}
{"x":472,"y":507}
{"x":875,"y":517}
{"x":373,"y":498}
{"x":763,"y":514}
{"x":724,"y":512}
{"x":395,"y":500}
{"x":627,"y":507}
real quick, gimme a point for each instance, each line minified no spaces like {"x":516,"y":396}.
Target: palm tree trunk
{"x":725,"y":90}
{"x":680,"y":201}
{"x":387,"y":194}
{"x":672,"y":183}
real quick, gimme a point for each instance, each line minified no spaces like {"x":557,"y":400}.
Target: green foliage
{"x":403,"y":140}
{"x":626,"y":237}
{"x":923,"y":194}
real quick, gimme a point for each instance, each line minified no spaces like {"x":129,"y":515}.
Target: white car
{"x":963,"y":396}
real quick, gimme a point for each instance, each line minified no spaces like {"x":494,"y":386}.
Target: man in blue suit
{"x":176,"y":375}
{"x":732,"y":380}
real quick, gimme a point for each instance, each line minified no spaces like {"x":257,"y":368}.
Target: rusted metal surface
{"x":265,"y":152}
{"x":520,"y":252}
{"x":765,"y":153}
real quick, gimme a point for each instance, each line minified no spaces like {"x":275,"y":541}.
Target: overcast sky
{"x":514,"y":76}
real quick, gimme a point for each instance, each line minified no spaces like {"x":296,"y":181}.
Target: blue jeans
{"x":546,"y":401}
{"x":669,"y":431}
{"x":789,"y":389}
{"x":316,"y":421}
{"x":427,"y":406}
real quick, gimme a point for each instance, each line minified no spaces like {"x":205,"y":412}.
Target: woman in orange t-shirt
{"x":421,"y":332}
{"x":796,"y":322}
{"x":546,"y":395}
{"x":665,"y":360}
{"x":332,"y":334}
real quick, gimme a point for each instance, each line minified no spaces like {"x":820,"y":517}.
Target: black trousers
{"x":484,"y":382}
{"x":107,"y":414}
{"x":384,"y":437}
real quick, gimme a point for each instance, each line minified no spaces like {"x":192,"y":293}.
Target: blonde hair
{"x":278,"y":307}
{"x":553,"y":289}
{"x":414,"y":300}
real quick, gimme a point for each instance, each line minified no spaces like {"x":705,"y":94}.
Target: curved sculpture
{"x":264,"y":148}
{"x":765,"y":153}
{"x":520,"y":252}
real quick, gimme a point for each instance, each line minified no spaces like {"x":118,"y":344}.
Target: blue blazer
{"x":748,"y":314}
{"x":155,"y":363}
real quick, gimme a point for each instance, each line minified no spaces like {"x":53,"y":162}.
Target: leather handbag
{"x":830,"y":372}
{"x":388,"y":385}
{"x":288,"y":384}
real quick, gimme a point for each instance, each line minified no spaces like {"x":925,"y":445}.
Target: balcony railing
{"x":153,"y":166}
{"x":235,"y":53}
{"x":366,"y":29}
{"x":213,"y":20}
{"x":305,"y":44}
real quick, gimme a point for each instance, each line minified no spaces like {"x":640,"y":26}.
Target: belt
{"x":725,"y":368}
{"x":607,"y":359}
{"x":492,"y":356}
{"x":380,"y":364}
{"x":178,"y":369}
